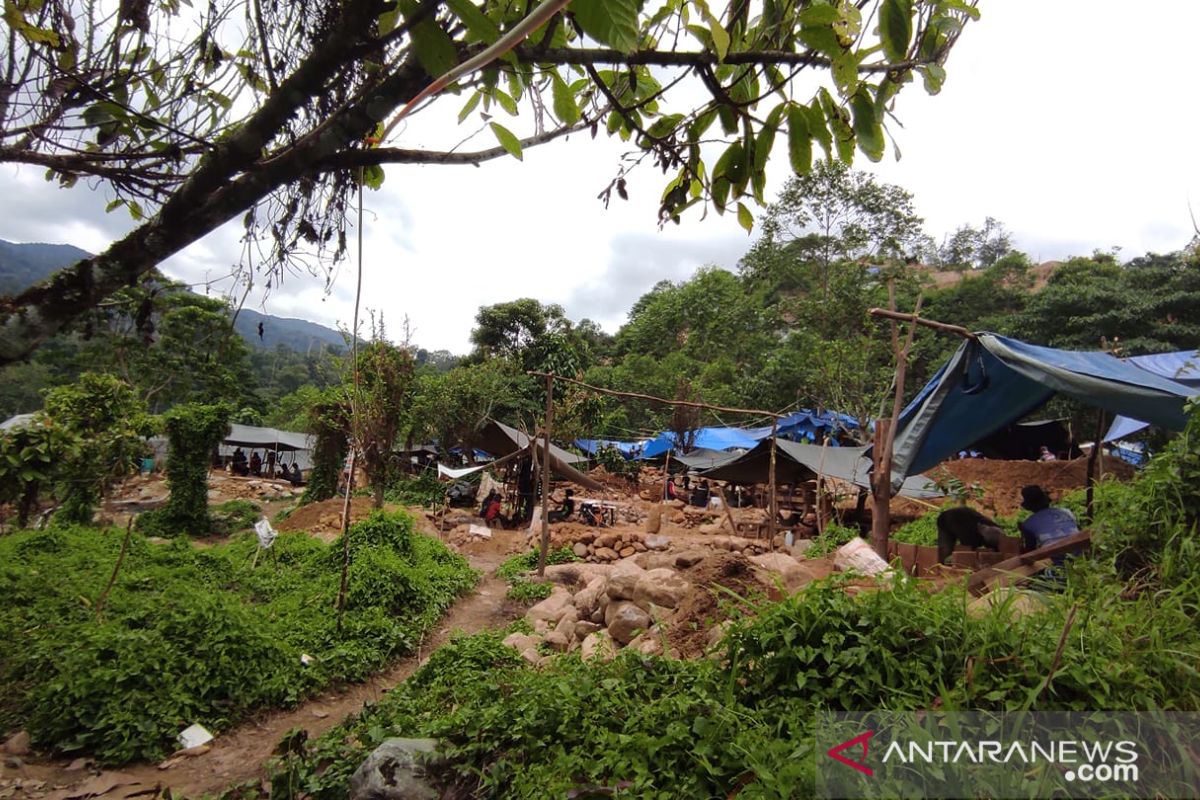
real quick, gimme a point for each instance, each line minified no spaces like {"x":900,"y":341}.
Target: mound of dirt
{"x":1001,"y":481}
{"x":701,"y":609}
{"x":324,"y":519}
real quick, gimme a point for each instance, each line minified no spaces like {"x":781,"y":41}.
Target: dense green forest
{"x":788,"y":329}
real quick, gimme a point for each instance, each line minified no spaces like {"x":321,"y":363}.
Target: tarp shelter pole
{"x":666,"y":475}
{"x":1093,"y":458}
{"x":773,"y":519}
{"x":881,"y":490}
{"x":546,"y":475}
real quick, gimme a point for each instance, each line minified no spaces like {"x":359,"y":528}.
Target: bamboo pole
{"x":545,"y":548}
{"x":1093,"y":458}
{"x":774,"y":512}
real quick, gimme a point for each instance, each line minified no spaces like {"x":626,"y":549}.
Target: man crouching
{"x":965,"y":526}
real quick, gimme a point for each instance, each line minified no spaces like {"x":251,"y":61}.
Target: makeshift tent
{"x":15,"y":422}
{"x":503,"y":441}
{"x":593,"y":446}
{"x":795,"y":462}
{"x":1182,"y":367}
{"x":1024,"y":440}
{"x":992,"y":381}
{"x":703,"y":458}
{"x":707,"y":438}
{"x":808,"y":424}
{"x":297,"y":445}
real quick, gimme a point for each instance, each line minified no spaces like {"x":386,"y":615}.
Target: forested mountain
{"x":22,"y":265}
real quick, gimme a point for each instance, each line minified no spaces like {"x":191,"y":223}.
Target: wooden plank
{"x":985,"y":580}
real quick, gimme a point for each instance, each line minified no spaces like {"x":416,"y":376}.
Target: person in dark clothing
{"x":255,"y":464}
{"x":525,"y":490}
{"x":238,"y":464}
{"x":565,"y":509}
{"x":965,"y":526}
{"x":700,"y":495}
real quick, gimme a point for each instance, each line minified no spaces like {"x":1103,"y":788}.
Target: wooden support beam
{"x":545,"y":548}
{"x":773,"y":520}
{"x":957,"y":330}
{"x":985,"y":580}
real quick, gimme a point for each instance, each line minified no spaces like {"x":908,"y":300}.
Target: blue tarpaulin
{"x":708,"y":438}
{"x":1182,"y":366}
{"x":993,"y":381}
{"x":592,"y":446}
{"x":807,"y":424}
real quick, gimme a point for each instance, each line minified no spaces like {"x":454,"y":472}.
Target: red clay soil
{"x":707,"y":606}
{"x":324,"y":519}
{"x":1001,"y":481}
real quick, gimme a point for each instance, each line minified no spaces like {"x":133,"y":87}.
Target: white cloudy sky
{"x":1074,"y":122}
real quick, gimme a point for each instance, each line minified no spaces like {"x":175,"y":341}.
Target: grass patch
{"x":515,"y":569}
{"x":195,"y":635}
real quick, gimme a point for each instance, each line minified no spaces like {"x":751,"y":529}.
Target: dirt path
{"x":238,"y":755}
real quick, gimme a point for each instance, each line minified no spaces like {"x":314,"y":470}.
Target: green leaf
{"x":470,"y":106}
{"x":610,"y":22}
{"x":478,"y":24}
{"x":506,"y":102}
{"x":934,"y":76}
{"x":507,"y":140}
{"x":564,"y":100}
{"x":373,"y":176}
{"x":435,"y":51}
{"x":799,"y":140}
{"x":720,"y":38}
{"x":816,"y":15}
{"x":867,"y":127}
{"x":822,"y":39}
{"x":745,"y":218}
{"x":895,"y":27}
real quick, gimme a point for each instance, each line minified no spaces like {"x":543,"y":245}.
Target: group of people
{"x":255,"y":466}
{"x":1045,"y":525}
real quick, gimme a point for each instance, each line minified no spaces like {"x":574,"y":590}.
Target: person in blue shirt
{"x":1046,"y":524}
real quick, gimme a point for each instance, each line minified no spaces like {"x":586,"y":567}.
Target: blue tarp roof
{"x":591,"y":446}
{"x":806,"y":424}
{"x":1182,"y":366}
{"x":708,"y":438}
{"x":994,"y":381}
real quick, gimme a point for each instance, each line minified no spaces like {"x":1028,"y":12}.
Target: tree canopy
{"x":275,"y":111}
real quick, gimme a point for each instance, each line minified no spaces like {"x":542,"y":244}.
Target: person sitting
{"x":565,"y":509}
{"x":255,"y":464}
{"x":296,"y":478}
{"x":1046,"y":455}
{"x":1047,"y":524}
{"x":238,"y":464}
{"x":491,"y":511}
{"x":487,"y":501}
{"x":700,"y":495}
{"x":669,"y":490}
{"x":965,"y":526}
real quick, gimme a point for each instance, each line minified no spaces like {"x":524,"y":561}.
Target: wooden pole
{"x":728,"y":513}
{"x":342,"y":587}
{"x":1093,"y":458}
{"x":957,"y":330}
{"x":116,"y":568}
{"x":881,"y":490}
{"x":666,"y":476}
{"x":773,"y":519}
{"x":546,"y":475}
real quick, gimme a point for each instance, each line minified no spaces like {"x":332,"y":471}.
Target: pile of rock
{"x":600,"y":546}
{"x":603,"y":608}
{"x":740,"y":544}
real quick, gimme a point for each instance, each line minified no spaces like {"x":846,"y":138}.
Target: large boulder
{"x":396,"y":771}
{"x":558,"y":641}
{"x":551,"y":608}
{"x":625,"y":620}
{"x":623,"y":580}
{"x":587,"y":598}
{"x":522,"y":641}
{"x":661,"y":587}
{"x":656,"y":542}
{"x":585,"y":628}
{"x":597,"y":645}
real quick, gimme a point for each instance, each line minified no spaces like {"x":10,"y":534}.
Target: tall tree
{"x":830,"y":215}
{"x":382,"y":403}
{"x":193,"y":119}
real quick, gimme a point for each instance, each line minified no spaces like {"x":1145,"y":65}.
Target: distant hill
{"x":22,"y":265}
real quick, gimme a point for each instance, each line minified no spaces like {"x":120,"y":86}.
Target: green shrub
{"x":522,"y":563}
{"x":195,"y":635}
{"x":234,"y":515}
{"x":423,"y":490}
{"x":834,"y":537}
{"x":390,"y":530}
{"x":529,"y":591}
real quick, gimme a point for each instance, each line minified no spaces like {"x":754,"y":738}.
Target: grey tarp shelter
{"x":992,"y":381}
{"x":503,"y":441}
{"x":256,"y":438}
{"x":795,"y":462}
{"x":702,"y":458}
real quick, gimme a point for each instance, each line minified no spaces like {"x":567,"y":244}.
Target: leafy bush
{"x":834,"y":537}
{"x":922,"y":531}
{"x":234,"y":515}
{"x":527,"y":562}
{"x":529,"y":591}
{"x":423,"y":490}
{"x":192,"y":635}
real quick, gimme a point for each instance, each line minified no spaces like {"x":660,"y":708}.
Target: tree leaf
{"x":895,"y":27}
{"x":507,"y":140}
{"x":610,"y":22}
{"x":469,"y":106}
{"x":799,"y":140}
{"x":720,"y":38}
{"x":745,"y":218}
{"x":434,"y":49}
{"x":934,"y":76}
{"x":478,"y":24}
{"x":564,"y":100}
{"x":819,"y":15}
{"x":867,"y":127}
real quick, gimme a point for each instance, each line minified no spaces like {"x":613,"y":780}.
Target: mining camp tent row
{"x":298,"y":446}
{"x":506,"y":443}
{"x":796,"y":462}
{"x":992,"y":381}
